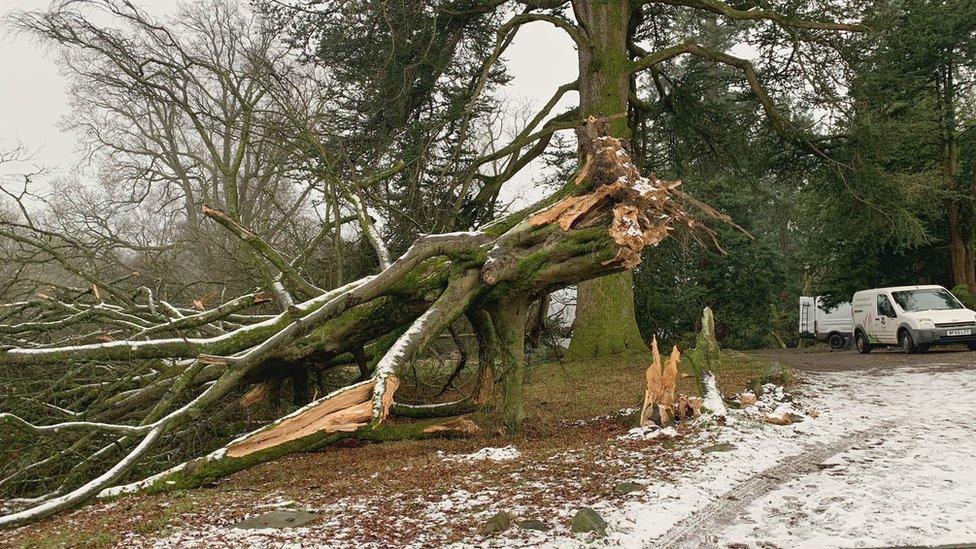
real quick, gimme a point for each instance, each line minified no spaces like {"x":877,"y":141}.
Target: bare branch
{"x":721,"y":8}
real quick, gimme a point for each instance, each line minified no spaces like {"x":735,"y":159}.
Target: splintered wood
{"x":643,"y":209}
{"x":661,"y":406}
{"x":256,"y":395}
{"x":345,"y":412}
{"x":659,"y":395}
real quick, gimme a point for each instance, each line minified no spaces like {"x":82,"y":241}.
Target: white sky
{"x":32,"y":92}
{"x":33,"y":98}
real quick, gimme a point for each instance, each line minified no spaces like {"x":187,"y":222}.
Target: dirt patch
{"x":879,"y":362}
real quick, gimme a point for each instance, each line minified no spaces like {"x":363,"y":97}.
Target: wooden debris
{"x":783,"y":418}
{"x":568,"y":210}
{"x":259,"y":393}
{"x":748,"y":398}
{"x":455,"y":428}
{"x":687,"y":407}
{"x":639,"y":204}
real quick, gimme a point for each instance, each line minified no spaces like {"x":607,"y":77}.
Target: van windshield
{"x":936,"y":299}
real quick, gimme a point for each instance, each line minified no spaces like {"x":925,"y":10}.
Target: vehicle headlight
{"x":926,"y":322}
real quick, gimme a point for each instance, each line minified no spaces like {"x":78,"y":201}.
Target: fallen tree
{"x":597,"y":224}
{"x":161,"y":368}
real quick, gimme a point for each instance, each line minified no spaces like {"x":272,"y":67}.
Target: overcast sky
{"x":33,"y":98}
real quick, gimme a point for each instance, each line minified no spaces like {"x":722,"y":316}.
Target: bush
{"x":963,"y":294}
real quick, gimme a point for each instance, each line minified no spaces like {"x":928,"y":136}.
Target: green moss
{"x":609,"y":69}
{"x":605,"y":319}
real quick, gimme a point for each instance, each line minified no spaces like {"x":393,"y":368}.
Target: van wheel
{"x":862,"y":343}
{"x":907,"y":342}
{"x":836,"y":341}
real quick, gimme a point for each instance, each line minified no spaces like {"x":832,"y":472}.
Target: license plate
{"x":952,"y":333}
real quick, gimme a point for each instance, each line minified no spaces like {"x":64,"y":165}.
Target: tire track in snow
{"x":702,"y":527}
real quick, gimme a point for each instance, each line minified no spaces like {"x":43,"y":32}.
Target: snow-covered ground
{"x":889,"y":459}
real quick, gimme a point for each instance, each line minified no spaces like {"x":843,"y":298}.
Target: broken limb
{"x":461,"y":362}
{"x":659,"y":395}
{"x":358,"y":408}
{"x":721,"y":8}
{"x":292,"y":279}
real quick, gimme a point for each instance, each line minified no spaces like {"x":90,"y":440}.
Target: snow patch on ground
{"x":505,"y":453}
{"x":258,"y":538}
{"x":619,"y":414}
{"x":650,"y":432}
{"x":712,"y":400}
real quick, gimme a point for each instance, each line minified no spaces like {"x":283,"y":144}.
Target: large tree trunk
{"x":961,"y":257}
{"x":508,"y":315}
{"x":960,"y":254}
{"x":605,"y":321}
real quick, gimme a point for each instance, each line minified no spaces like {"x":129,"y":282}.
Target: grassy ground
{"x":570,"y":407}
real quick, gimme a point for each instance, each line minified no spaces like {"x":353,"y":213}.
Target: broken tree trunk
{"x":704,"y":359}
{"x":659,"y":396}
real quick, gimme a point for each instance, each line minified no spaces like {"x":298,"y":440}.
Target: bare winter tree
{"x":155,"y":369}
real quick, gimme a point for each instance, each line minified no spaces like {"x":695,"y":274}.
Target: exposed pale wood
{"x":747,"y":398}
{"x":460,"y":427}
{"x":634,"y":200}
{"x":259,"y":393}
{"x":345,"y":412}
{"x":568,"y":210}
{"x":659,"y":395}
{"x":687,"y":407}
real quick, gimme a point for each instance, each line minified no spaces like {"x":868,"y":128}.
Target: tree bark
{"x":605,"y":320}
{"x":961,"y":256}
{"x":539,"y":322}
{"x":484,"y":330}
{"x":959,"y":252}
{"x":508,"y":315}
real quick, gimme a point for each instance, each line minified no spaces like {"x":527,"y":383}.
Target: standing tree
{"x":904,"y":210}
{"x":172,"y":365}
{"x":612,"y":67}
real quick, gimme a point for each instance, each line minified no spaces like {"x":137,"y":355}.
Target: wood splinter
{"x":661,"y":406}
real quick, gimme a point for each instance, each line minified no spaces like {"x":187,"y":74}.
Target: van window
{"x":884,"y":306}
{"x":932,"y":299}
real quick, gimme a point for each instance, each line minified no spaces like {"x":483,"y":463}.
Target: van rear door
{"x":808,"y":315}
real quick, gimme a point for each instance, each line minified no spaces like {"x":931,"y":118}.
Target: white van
{"x":819,"y":323}
{"x":915,"y":317}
